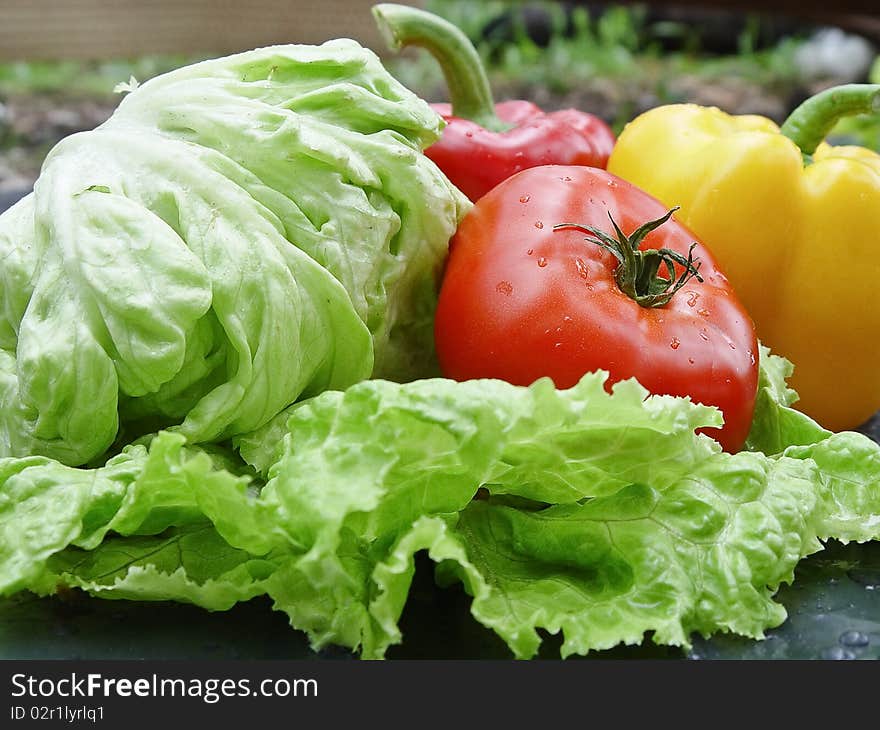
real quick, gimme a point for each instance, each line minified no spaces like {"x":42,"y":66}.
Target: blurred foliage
{"x":618,"y":46}
{"x":614,"y":43}
{"x":94,"y":79}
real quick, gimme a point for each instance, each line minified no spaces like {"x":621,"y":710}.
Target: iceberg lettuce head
{"x":241,"y":233}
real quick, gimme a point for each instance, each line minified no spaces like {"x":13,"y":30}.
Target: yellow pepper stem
{"x":812,"y":121}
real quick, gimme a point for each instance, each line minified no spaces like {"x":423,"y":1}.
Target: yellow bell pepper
{"x":794,"y":224}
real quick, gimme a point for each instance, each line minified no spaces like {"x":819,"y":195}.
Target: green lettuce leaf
{"x":776,"y":425}
{"x":191,"y":564}
{"x":545,"y":440}
{"x":392,"y":456}
{"x":608,"y":517}
{"x":46,"y":507}
{"x":637,"y":498}
{"x":704,"y":555}
{"x":603,"y":516}
{"x":241,"y":233}
{"x":849,"y":464}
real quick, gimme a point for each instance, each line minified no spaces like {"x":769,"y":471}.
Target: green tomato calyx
{"x":638,"y":270}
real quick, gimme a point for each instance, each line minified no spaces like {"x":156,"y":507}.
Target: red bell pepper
{"x":484,"y":143}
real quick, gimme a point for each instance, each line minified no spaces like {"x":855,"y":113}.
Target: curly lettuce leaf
{"x":390,"y":456}
{"x":191,"y":564}
{"x":548,"y":442}
{"x":602,"y":516}
{"x":776,"y":425}
{"x":46,"y":507}
{"x":400,"y":466}
{"x":849,"y":464}
{"x":704,"y":555}
{"x":589,"y":528}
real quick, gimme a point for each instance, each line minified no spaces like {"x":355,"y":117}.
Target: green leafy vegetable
{"x":704,"y":555}
{"x":604,"y":516}
{"x":631,"y":522}
{"x":190,"y":564}
{"x":776,"y":425}
{"x":241,"y":233}
{"x":850,"y":467}
{"x":46,"y":506}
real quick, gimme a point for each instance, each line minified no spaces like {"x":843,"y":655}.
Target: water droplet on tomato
{"x":675,"y":343}
{"x":704,"y":335}
{"x":566,"y":318}
{"x":581,"y":267}
{"x":525,"y":198}
{"x":504,"y":287}
{"x":468,"y":134}
{"x":519,"y":155}
{"x":703,"y":312}
{"x":557,"y":345}
{"x":542,"y":262}
{"x":530,"y":251}
{"x":691,"y":360}
{"x":692,"y":298}
{"x":731,"y":345}
{"x":566,"y":179}
{"x":539,"y":224}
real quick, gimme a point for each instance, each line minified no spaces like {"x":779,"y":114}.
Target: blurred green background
{"x":613,"y":60}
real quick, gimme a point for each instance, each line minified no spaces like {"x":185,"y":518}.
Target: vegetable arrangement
{"x":205,"y":302}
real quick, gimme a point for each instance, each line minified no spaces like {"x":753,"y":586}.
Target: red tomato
{"x":521,"y":300}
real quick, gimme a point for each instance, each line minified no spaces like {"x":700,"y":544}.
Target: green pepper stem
{"x":469,"y":91}
{"x":812,"y":121}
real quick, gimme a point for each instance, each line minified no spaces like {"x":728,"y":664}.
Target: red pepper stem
{"x":812,"y":121}
{"x":469,"y":91}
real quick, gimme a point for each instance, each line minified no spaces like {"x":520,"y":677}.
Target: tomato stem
{"x":638,"y":270}
{"x":469,"y":89}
